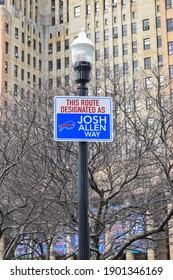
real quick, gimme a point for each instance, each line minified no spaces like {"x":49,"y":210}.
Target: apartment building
{"x":35,"y":39}
{"x":129,"y":35}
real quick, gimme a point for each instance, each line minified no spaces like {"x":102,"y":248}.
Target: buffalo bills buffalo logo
{"x":68,"y":125}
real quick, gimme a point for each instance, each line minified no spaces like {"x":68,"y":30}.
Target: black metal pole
{"x":84,"y":251}
{"x":82,"y":76}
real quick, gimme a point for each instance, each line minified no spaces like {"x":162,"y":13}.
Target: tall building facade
{"x":129,"y":35}
{"x":36,"y":35}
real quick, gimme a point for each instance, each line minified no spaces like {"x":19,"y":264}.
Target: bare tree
{"x":130,"y":179}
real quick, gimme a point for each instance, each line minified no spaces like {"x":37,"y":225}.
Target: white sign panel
{"x":83,"y":118}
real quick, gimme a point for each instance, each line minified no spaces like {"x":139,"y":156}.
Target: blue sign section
{"x":83,"y":126}
{"x":77,"y":126}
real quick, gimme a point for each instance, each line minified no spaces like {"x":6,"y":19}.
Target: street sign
{"x":83,"y":118}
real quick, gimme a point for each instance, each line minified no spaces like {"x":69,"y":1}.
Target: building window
{"x":136,"y":85}
{"x":88,"y":9}
{"x":34,"y":62}
{"x":171,"y":71}
{"x":147,"y":44}
{"x":15,"y":71}
{"x":127,"y":108}
{"x":39,"y":83}
{"x":6,"y":47}
{"x":50,"y":83}
{"x":23,"y":56}
{"x":106,"y":21}
{"x":29,"y":58}
{"x":137,"y":105}
{"x":6,"y":28}
{"x":115,"y":51}
{"x":50,"y":65}
{"x":58,"y":64}
{"x":159,"y":41}
{"x":39,"y":47}
{"x":97,"y":55}
{"x":147,"y":63}
{"x":150,"y":123}
{"x":16,"y":53}
{"x":134,"y":47}
{"x":66,"y":62}
{"x":116,"y":69}
{"x":106,"y":53}
{"x":106,"y":34}
{"x":135,"y":65}
{"x":160,"y":60}
{"x":58,"y":81}
{"x":23,"y":37}
{"x":169,"y":23}
{"x":115,"y":32}
{"x":158,"y":22}
{"x":134,"y":28}
{"x":124,"y":30}
{"x":15,"y":89}
{"x":146,"y":25}
{"x":170,"y":48}
{"x":126,"y":87}
{"x":125,"y":68}
{"x":168,"y":4}
{"x":58,"y":46}
{"x":148,"y":83}
{"x":97,"y":37}
{"x":77,"y":11}
{"x":96,"y":7}
{"x":29,"y":41}
{"x":53,"y":20}
{"x":67,"y":80}
{"x":34,"y":44}
{"x":34,"y":79}
{"x":53,"y":4}
{"x":98,"y":73}
{"x":22,"y":74}
{"x":105,"y":4}
{"x":125,"y":49}
{"x":67,"y":44}
{"x":107,"y":71}
{"x":123,"y":2}
{"x":28,"y":78}
{"x":97,"y":23}
{"x":5,"y":86}
{"x":161,"y":80}
{"x":6,"y":67}
{"x":149,"y":103}
{"x":50,"y":48}
{"x":16,"y":33}
{"x":39,"y":64}
{"x":28,"y":92}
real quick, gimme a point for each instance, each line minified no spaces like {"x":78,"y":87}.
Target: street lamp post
{"x":82,"y":53}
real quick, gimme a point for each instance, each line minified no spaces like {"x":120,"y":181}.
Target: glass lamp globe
{"x":82,"y":49}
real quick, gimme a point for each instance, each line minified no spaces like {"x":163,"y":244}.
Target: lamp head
{"x":82,"y":49}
